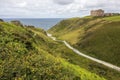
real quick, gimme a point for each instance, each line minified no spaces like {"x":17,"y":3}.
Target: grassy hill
{"x":94,"y":36}
{"x":26,"y":53}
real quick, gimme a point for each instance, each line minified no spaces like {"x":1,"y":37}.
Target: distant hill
{"x":98,"y":37}
{"x":26,"y":53}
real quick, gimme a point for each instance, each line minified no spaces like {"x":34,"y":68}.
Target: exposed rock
{"x":30,"y":26}
{"x":17,"y":23}
{"x":1,"y":20}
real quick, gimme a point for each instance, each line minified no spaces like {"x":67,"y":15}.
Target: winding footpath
{"x":86,"y":56}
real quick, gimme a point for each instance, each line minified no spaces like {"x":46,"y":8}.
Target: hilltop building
{"x":101,"y":13}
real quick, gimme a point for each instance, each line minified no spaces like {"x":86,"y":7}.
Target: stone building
{"x":98,"y":12}
{"x":101,"y":13}
{"x":108,"y":14}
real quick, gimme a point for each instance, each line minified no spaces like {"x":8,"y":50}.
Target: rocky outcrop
{"x":1,"y":20}
{"x":17,"y":23}
{"x":30,"y":26}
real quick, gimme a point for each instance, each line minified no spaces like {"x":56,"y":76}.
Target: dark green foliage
{"x":28,"y":54}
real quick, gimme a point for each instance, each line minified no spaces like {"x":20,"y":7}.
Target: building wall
{"x":99,"y":12}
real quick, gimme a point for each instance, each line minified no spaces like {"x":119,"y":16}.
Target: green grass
{"x":94,"y":36}
{"x":72,"y":37}
{"x":103,"y":43}
{"x":28,"y":54}
{"x":97,"y":37}
{"x":113,"y":18}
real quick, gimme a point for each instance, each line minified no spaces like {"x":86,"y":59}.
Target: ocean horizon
{"x":44,"y":23}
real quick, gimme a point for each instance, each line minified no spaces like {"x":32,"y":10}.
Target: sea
{"x":44,"y":23}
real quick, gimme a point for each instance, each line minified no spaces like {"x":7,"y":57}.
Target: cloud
{"x":54,"y":8}
{"x":103,"y":4}
{"x":63,"y":2}
{"x":23,"y":4}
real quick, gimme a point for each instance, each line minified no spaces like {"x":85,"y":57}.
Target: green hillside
{"x":94,"y":36}
{"x":26,"y":53}
{"x":98,"y":37}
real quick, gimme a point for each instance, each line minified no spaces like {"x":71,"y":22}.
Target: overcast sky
{"x":54,"y":8}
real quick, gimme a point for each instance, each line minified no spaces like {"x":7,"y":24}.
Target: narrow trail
{"x":86,"y":56}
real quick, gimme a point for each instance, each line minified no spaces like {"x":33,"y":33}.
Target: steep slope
{"x":28,"y":54}
{"x":94,"y":36}
{"x":98,"y":37}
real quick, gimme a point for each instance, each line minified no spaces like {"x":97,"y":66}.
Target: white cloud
{"x":54,"y":8}
{"x":63,"y":2}
{"x":23,"y":4}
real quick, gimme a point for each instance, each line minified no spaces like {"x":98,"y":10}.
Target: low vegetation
{"x":26,"y":53}
{"x":94,"y":36}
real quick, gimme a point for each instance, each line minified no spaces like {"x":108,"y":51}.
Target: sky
{"x":54,"y":8}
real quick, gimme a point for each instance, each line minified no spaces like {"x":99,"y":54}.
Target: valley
{"x":31,"y":53}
